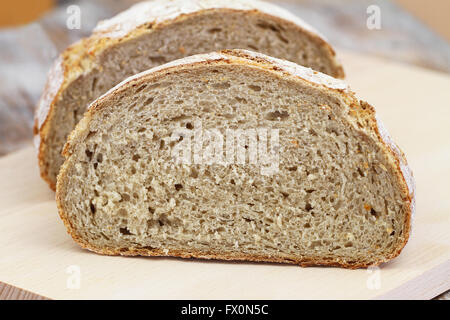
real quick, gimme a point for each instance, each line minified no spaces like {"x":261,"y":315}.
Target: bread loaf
{"x":236,"y":156}
{"x":152,"y":33}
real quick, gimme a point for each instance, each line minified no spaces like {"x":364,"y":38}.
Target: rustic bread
{"x":152,"y":33}
{"x":339,"y":191}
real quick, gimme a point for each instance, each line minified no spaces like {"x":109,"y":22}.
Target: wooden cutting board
{"x":36,"y":253}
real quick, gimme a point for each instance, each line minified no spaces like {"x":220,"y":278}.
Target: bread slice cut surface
{"x":237,"y":156}
{"x":153,"y":33}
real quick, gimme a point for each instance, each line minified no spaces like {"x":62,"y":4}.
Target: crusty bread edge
{"x":403,"y":172}
{"x":67,"y":69}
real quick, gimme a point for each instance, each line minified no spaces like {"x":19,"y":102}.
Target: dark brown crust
{"x":69,"y":66}
{"x":362,"y":108}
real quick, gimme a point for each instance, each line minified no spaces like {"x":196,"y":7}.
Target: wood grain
{"x":38,"y":258}
{"x":8,"y":292}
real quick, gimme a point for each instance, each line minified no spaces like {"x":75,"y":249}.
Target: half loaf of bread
{"x":236,"y":156}
{"x":152,"y":33}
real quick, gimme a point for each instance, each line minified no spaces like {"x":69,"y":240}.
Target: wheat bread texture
{"x":343,"y":194}
{"x":155,"y":32}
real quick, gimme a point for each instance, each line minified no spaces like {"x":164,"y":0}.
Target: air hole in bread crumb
{"x":194,"y":173}
{"x":89,"y":154}
{"x":229,"y":116}
{"x":268,"y":26}
{"x":94,"y":84}
{"x":241,"y":100}
{"x":214,"y":30}
{"x":268,"y":221}
{"x":125,"y":231}
{"x":221,"y":86}
{"x":374,"y":213}
{"x":136,"y":157}
{"x":308,"y":207}
{"x":189,"y":126}
{"x":148,"y":101}
{"x":92,"y":207}
{"x":141,"y":88}
{"x":361,"y":173}
{"x":178,"y":186}
{"x":254,"y":88}
{"x":282,"y":38}
{"x":277,"y":115}
{"x":348,"y":244}
{"x":90,"y":134}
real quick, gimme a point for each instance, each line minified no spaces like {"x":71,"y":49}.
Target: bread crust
{"x":80,"y":58}
{"x":277,"y":68}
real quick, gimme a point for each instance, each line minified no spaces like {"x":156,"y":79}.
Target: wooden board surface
{"x":36,"y":253}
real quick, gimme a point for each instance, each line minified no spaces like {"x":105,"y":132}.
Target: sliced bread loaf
{"x":152,"y":33}
{"x":236,"y":156}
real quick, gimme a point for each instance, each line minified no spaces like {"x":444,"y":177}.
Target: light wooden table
{"x":28,"y":51}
